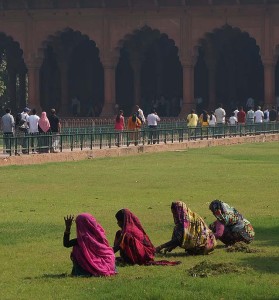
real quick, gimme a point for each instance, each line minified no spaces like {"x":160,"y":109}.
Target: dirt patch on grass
{"x":207,"y":269}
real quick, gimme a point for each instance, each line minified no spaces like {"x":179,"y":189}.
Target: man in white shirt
{"x":259,"y":115}
{"x":140,"y":114}
{"x":33,"y":122}
{"x":152,"y":121}
{"x":220,"y":115}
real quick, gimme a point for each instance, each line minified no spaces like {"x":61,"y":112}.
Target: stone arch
{"x":77,"y":72}
{"x":139,"y":47}
{"x":228,"y":81}
{"x":13,"y":74}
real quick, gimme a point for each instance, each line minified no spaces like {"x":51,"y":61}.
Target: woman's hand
{"x":68,"y":222}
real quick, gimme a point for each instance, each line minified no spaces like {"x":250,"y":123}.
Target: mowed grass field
{"x":34,"y":200}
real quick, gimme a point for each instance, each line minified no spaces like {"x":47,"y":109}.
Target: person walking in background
{"x":258,"y":119}
{"x":134,"y":125}
{"x":24,"y":129}
{"x":8,"y":126}
{"x":119,"y":126}
{"x":220,"y":115}
{"x":236,"y":111}
{"x":273,"y":114}
{"x":241,"y":116}
{"x":140,"y":114}
{"x":250,"y":116}
{"x":44,"y":130}
{"x":203,"y":119}
{"x":152,"y":121}
{"x":192,"y":122}
{"x":211,"y":123}
{"x":55,"y":127}
{"x":33,"y":124}
{"x":230,"y":226}
{"x":190,"y":232}
{"x":91,"y":254}
{"x":266,"y":115}
{"x":232,"y":123}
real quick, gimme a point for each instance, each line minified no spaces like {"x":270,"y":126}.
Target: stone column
{"x":34,"y":84}
{"x":109,"y":80}
{"x":188,"y":89}
{"x":269,"y":83}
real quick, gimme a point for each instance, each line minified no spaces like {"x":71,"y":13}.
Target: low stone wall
{"x":132,"y":150}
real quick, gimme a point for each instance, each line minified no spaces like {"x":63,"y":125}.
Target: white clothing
{"x":141,"y":115}
{"x":33,"y":122}
{"x":212,"y":122}
{"x":235,"y":113}
{"x":220,"y":115}
{"x":233,"y":120}
{"x":259,"y":116}
{"x":266,"y":112}
{"x":250,"y":116}
{"x":24,"y":116}
{"x":152,"y":119}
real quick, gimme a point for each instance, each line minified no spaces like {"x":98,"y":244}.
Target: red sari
{"x":135,"y":245}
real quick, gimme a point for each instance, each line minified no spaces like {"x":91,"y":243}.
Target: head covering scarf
{"x":134,"y":242}
{"x":93,"y":252}
{"x":190,"y":229}
{"x":233,"y":220}
{"x":44,"y":122}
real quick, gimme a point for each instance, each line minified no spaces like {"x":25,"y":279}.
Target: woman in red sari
{"x":133,"y":243}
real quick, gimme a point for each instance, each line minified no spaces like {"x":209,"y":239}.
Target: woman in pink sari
{"x":91,"y":255}
{"x":44,"y":129}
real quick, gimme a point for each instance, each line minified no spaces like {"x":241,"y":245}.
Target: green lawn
{"x":34,"y":200}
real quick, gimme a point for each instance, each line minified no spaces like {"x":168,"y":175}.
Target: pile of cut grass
{"x":207,"y":268}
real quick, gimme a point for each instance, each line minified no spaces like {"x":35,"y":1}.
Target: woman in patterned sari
{"x":230,"y":226}
{"x":190,"y":232}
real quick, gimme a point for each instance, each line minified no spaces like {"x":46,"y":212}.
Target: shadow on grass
{"x":263,"y":264}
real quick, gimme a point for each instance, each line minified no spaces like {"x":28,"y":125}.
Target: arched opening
{"x":149,"y":73}
{"x":72,"y":76}
{"x":50,"y":82}
{"x":232,"y":62}
{"x":13,"y":78}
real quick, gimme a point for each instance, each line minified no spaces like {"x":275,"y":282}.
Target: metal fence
{"x":70,"y":141}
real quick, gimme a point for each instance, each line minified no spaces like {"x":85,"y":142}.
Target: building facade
{"x":91,"y":57}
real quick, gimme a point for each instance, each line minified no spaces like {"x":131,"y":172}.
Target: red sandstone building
{"x":184,"y":53}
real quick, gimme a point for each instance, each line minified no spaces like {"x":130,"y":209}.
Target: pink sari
{"x":93,"y":252}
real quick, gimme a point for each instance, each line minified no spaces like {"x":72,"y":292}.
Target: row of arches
{"x":228,"y":69}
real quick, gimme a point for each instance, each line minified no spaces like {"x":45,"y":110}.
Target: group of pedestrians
{"x":135,"y":123}
{"x":93,"y":256}
{"x":219,"y":117}
{"x":29,"y":127}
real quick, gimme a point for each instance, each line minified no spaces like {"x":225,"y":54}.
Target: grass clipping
{"x":241,"y":247}
{"x":207,"y":269}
